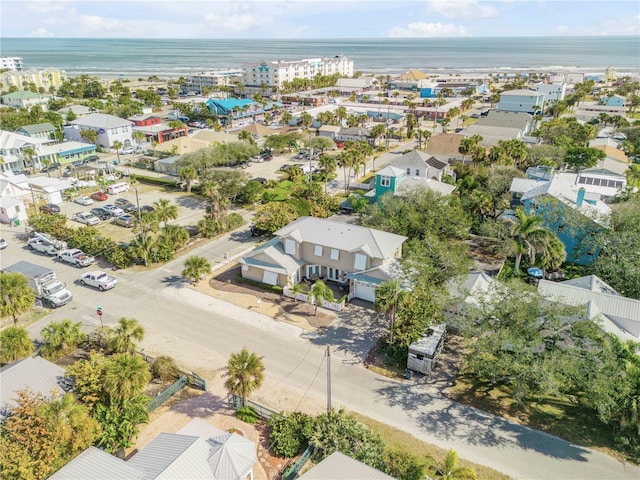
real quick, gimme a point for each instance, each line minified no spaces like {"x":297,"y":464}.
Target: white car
{"x":128,"y":150}
{"x":87,"y":218}
{"x":84,"y":201}
{"x":3,"y":244}
{"x":113,"y":210}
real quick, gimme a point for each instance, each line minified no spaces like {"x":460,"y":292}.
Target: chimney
{"x":580,"y":198}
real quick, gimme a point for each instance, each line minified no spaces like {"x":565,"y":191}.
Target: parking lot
{"x":191,"y":208}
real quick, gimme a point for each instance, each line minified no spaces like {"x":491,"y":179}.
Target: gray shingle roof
{"x":338,"y":466}
{"x":95,"y":464}
{"x":101,"y":120}
{"x":278,"y":262}
{"x":37,"y":374}
{"x":416,"y":158}
{"x":343,"y":236}
{"x":38,"y":128}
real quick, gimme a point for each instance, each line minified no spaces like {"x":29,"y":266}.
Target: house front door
{"x":313,"y":271}
{"x":336,"y":275}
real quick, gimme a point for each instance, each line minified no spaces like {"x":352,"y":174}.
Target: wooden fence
{"x":303,"y":297}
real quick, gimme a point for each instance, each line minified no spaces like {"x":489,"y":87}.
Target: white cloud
{"x":41,"y":33}
{"x":96,"y":26}
{"x":561,"y":30}
{"x":423,"y":29}
{"x":46,"y":7}
{"x":613,"y":26}
{"x":461,"y":9}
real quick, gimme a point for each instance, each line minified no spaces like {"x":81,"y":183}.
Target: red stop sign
{"x":99,"y":312}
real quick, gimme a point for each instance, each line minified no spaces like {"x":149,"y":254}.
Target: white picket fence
{"x":303,"y":297}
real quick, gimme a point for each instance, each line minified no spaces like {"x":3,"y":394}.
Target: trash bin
{"x":15,"y":222}
{"x":115,"y":162}
{"x":408,"y":374}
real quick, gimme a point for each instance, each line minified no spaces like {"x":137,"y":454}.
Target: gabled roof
{"x":444,"y":144}
{"x":23,"y":95}
{"x":274,"y":259}
{"x":259,"y":130}
{"x":343,"y":236}
{"x":416,"y":158}
{"x":101,"y":120}
{"x":329,"y":128}
{"x":13,"y":140}
{"x":338,"y":466}
{"x":412,"y":75}
{"x":601,"y":299}
{"x":38,"y":128}
{"x":35,"y":373}
{"x":492,"y":135}
{"x":95,"y":464}
{"x":355,"y":131}
{"x":390,"y":171}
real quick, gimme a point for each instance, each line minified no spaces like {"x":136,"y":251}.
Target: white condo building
{"x":214,"y":78}
{"x":275,"y":73}
{"x":46,"y":78}
{"x":12,"y":63}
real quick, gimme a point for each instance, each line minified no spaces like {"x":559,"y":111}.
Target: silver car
{"x":87,"y":218}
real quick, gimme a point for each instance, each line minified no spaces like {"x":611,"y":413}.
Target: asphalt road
{"x":296,"y":367}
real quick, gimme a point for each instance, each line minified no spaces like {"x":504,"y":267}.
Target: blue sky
{"x":312,"y":19}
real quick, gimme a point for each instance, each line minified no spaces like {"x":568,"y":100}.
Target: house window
{"x":289,"y":247}
{"x":385,"y":181}
{"x":408,"y":171}
{"x":335,"y":254}
{"x":360,"y":262}
{"x":318,"y":251}
{"x":417,"y":172}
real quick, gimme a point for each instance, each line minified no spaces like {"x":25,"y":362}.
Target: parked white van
{"x":116,"y":188}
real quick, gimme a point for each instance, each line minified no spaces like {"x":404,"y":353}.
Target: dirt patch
{"x":224,"y":284}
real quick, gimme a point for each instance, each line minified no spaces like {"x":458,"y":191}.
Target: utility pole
{"x":142,"y":230}
{"x":328,"y":378}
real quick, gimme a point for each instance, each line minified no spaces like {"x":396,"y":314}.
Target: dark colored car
{"x":101,"y":213}
{"x":257,"y":232}
{"x":125,"y":205}
{"x":91,"y":158}
{"x":51,"y":168}
{"x":99,"y":196}
{"x":50,"y":208}
{"x":147,"y":208}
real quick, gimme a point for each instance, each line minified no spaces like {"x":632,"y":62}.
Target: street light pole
{"x":328,"y":378}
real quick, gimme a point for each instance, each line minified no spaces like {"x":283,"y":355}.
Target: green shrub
{"x":289,"y":433}
{"x":165,"y":369}
{"x":263,"y":286}
{"x":247,"y":415}
{"x":156,"y":181}
{"x":234,"y":220}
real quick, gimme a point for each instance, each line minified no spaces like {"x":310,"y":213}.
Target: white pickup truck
{"x":98,"y":279}
{"x":76,"y":257}
{"x":43,"y":243}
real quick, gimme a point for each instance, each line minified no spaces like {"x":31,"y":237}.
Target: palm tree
{"x":142,"y":245}
{"x":633,"y":175}
{"x":29,"y":153}
{"x":125,"y":376}
{"x":176,"y":235}
{"x":327,"y":165}
{"x":188,"y":175}
{"x":527,"y":233}
{"x":195,"y":268}
{"x":15,"y":344}
{"x":117,"y":145}
{"x":61,"y":337}
{"x":138,"y":136}
{"x":245,"y":373}
{"x":165,"y":211}
{"x":388,"y":295}
{"x":124,"y":337}
{"x":16,"y":296}
{"x":449,"y":469}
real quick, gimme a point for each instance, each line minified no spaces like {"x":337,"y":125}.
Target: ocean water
{"x":173,"y":58}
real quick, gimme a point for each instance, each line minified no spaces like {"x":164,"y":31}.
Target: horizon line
{"x":319,"y":38}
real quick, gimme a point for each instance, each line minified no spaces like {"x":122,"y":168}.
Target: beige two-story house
{"x":315,"y":248}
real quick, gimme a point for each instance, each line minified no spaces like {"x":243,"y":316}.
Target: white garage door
{"x":365,"y":292}
{"x":270,"y":278}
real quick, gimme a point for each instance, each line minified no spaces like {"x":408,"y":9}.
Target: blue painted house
{"x":569,"y":209}
{"x":224,"y":107}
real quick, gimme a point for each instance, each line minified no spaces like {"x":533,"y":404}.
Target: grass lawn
{"x":396,"y":438}
{"x":562,"y":417}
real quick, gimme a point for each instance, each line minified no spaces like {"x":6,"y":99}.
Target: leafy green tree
{"x":125,"y":376}
{"x":165,"y":211}
{"x":339,"y":431}
{"x":579,"y":158}
{"x":273,"y":216}
{"x":39,"y":437}
{"x":244,"y":373}
{"x":195,"y":268}
{"x":289,"y":433}
{"x":449,"y":469}
{"x":15,"y":344}
{"x":90,"y":136}
{"x":61,"y":338}
{"x":123,"y":339}
{"x":174,"y":236}
{"x":117,"y":145}
{"x":320,"y":291}
{"x":403,"y":465}
{"x":16,"y":296}
{"x":120,"y":421}
{"x":88,"y":380}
